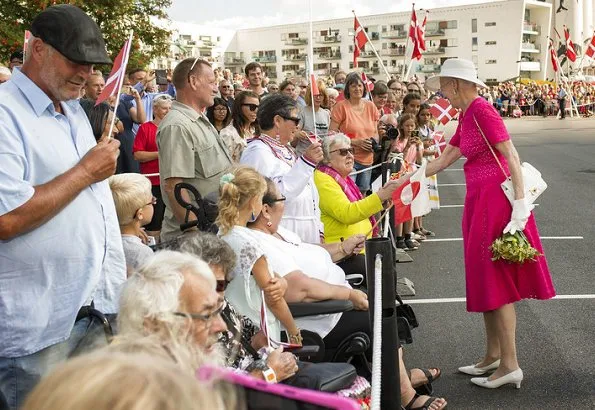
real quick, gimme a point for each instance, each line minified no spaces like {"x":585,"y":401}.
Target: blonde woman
{"x":240,"y":202}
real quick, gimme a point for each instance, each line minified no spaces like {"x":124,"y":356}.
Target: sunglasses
{"x":272,"y":201}
{"x":288,"y":118}
{"x":343,"y":151}
{"x":222,"y":285}
{"x":251,"y":107}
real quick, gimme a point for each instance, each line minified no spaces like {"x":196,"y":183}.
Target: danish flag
{"x":439,"y":142}
{"x":359,"y":40}
{"x":554,"y":57}
{"x":570,"y":51}
{"x":413,"y":34}
{"x":443,"y":111}
{"x":116,"y":77}
{"x":591,"y":48}
{"x":421,"y":33}
{"x":412,"y":199}
{"x":367,"y":83}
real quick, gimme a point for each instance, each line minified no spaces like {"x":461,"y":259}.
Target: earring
{"x":252,"y":217}
{"x":269,"y":224}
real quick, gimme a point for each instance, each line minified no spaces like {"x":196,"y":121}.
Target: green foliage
{"x":513,"y":248}
{"x":115,"y":18}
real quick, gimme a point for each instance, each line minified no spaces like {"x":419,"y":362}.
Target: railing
{"x":372,"y":70}
{"x":330,"y":56}
{"x":234,"y":60}
{"x":530,"y":47}
{"x":295,"y":57}
{"x":393,"y":52}
{"x":265,"y":59}
{"x":394,"y":34}
{"x":395,"y":69}
{"x":330,"y":39}
{"x":367,"y":54}
{"x":531,"y":27}
{"x":434,"y":50}
{"x":429,"y":68}
{"x":434,"y":33}
{"x":296,"y":41}
{"x":530,"y":66}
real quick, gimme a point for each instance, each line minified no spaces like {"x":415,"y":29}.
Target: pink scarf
{"x":349,"y":189}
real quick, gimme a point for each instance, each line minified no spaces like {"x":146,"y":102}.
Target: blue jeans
{"x":363,"y":180}
{"x":20,"y":375}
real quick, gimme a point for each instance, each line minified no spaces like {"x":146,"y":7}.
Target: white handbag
{"x":532,"y":180}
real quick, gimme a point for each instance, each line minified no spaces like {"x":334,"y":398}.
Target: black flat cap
{"x":16,"y":55}
{"x":72,"y":32}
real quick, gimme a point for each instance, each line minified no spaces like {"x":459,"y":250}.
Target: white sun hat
{"x":455,"y":68}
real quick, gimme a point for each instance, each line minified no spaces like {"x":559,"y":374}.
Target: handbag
{"x":532,"y":180}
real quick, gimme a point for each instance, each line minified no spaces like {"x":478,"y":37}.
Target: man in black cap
{"x":60,"y":242}
{"x":16,"y":60}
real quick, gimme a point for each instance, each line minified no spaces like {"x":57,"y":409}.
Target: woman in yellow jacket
{"x":344,"y":211}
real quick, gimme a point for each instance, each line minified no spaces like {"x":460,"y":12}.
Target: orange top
{"x":358,"y":126}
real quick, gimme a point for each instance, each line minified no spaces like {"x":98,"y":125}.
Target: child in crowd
{"x":134,"y":207}
{"x":392,"y":104}
{"x":425,"y":129}
{"x":517,"y":112}
{"x":411,"y":103}
{"x":380,"y":96}
{"x":409,"y":149}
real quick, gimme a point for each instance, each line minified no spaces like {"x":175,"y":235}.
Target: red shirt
{"x":146,"y":140}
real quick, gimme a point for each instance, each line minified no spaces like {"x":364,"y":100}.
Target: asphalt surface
{"x":555,"y":338}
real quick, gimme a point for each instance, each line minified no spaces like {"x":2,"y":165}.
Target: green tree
{"x":115,"y":18}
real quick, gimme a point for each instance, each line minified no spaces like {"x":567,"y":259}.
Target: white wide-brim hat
{"x":455,"y":68}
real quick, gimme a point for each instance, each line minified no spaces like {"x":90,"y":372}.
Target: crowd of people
{"x":290,"y":168}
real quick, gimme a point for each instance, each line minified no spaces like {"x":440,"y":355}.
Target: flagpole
{"x":580,"y":65}
{"x":311,"y":68}
{"x":561,"y":81}
{"x":119,"y":85}
{"x":374,"y":50}
{"x":406,"y":45}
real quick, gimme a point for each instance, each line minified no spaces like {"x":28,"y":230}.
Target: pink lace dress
{"x":489,"y":284}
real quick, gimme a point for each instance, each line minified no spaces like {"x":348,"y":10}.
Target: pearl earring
{"x":269,"y":224}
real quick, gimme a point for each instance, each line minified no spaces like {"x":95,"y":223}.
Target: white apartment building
{"x":505,"y":40}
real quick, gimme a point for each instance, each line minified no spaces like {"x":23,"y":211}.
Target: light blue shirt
{"x":47,"y":274}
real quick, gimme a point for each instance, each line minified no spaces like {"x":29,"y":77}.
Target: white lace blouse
{"x":243,"y":291}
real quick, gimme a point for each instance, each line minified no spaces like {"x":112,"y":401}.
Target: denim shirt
{"x":47,"y":274}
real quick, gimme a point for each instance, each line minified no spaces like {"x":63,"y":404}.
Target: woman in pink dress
{"x":492,"y":287}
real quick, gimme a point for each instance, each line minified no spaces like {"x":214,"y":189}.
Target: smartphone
{"x":303,"y":351}
{"x":161,"y":77}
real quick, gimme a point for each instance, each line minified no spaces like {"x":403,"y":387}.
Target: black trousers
{"x":562,"y":102}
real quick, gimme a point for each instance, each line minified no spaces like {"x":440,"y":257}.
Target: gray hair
{"x":330,"y":141}
{"x":331,"y":92}
{"x":210,"y":248}
{"x":153,"y":290}
{"x":161,"y":99}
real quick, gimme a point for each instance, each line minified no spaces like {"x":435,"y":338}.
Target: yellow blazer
{"x":342,"y":218}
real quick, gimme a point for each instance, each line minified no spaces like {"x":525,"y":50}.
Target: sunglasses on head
{"x":343,"y":151}
{"x":251,"y":107}
{"x":222,"y":285}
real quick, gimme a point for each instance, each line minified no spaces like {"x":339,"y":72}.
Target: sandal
{"x":426,"y":388}
{"x":425,"y":406}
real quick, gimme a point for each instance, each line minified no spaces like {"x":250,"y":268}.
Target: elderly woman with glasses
{"x":357,"y":117}
{"x":272,"y":156}
{"x":243,"y":124}
{"x":345,"y":212}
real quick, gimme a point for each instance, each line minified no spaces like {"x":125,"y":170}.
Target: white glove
{"x":521,"y":211}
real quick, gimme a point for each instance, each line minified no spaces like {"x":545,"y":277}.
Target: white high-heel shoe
{"x":515,"y":377}
{"x":473,"y":370}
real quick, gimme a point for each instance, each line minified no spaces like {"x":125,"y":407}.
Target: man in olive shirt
{"x":190,"y":149}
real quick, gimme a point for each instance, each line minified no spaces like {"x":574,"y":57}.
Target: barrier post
{"x":390,"y":385}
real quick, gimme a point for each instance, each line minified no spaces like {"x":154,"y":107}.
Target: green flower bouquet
{"x":513,"y":248}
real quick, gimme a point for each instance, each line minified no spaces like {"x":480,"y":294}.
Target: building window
{"x":490,"y":61}
{"x":490,"y":43}
{"x":474,"y":59}
{"x":490,"y":24}
{"x":474,"y":25}
{"x":473,"y":43}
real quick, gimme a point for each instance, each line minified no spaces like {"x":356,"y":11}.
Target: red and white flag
{"x":553,"y":57}
{"x":439,"y":142}
{"x":570,"y":51}
{"x":359,"y":40}
{"x":313,"y":86}
{"x":416,"y":55}
{"x":369,"y":84}
{"x":591,"y":48}
{"x":443,"y":111}
{"x":26,"y":42}
{"x":116,"y":77}
{"x":412,"y":199}
{"x":421,"y":33}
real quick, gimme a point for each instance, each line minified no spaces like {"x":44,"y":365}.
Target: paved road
{"x":556,"y":338}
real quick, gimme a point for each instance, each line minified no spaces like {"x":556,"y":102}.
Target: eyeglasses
{"x":153,"y":202}
{"x":225,"y":86}
{"x":221,"y":109}
{"x":343,"y":151}
{"x":222,"y":285}
{"x":412,"y":90}
{"x":208,"y":318}
{"x":251,"y":107}
{"x":272,"y":201}
{"x":288,"y":118}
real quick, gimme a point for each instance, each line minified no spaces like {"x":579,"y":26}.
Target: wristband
{"x":269,"y":375}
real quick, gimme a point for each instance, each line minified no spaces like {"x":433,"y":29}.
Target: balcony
{"x":529,"y":48}
{"x":434,"y":50}
{"x":374,"y":35}
{"x":234,"y":61}
{"x":531,"y":28}
{"x":367,"y":54}
{"x":530,"y":66}
{"x":296,"y":41}
{"x":264,"y":59}
{"x":330,"y":56}
{"x":394,"y":34}
{"x":395,"y":69}
{"x":295,"y":57}
{"x":393,"y":52}
{"x":272,"y":74}
{"x":428,"y":68}
{"x":434,"y":33}
{"x":372,"y":70}
{"x":207,"y":44}
{"x":330,"y":39}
